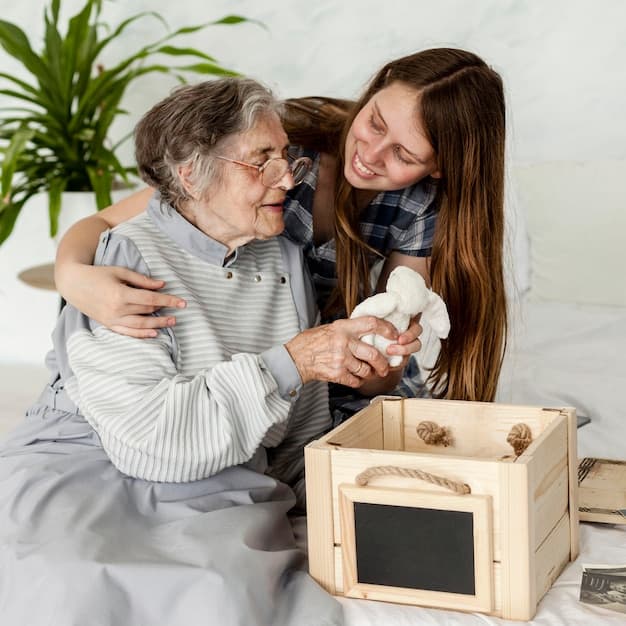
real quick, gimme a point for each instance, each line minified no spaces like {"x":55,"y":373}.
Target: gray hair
{"x":189,"y":126}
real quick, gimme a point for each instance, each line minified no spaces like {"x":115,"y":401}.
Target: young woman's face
{"x":386,"y":146}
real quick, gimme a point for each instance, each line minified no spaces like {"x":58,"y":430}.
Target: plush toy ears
{"x":436,"y":315}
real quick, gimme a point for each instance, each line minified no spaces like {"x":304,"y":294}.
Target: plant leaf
{"x":101,"y":180}
{"x":108,"y":158}
{"x":25,"y":86}
{"x":53,"y":52}
{"x":122,"y":26}
{"x":55,"y":5}
{"x":8,"y":215}
{"x":207,"y":68}
{"x":57,"y":186}
{"x":19,"y":96}
{"x":75,"y":43}
{"x":86,"y":53}
{"x":174,"y":51}
{"x":109,"y":110}
{"x":15,"y":42}
{"x":12,"y":154}
{"x":69,"y":105}
{"x":231,"y":20}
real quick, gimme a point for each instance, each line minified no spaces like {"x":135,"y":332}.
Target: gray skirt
{"x":82,"y":544}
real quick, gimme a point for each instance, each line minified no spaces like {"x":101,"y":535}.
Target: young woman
{"x":412,"y":173}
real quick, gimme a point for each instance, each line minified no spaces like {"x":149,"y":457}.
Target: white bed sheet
{"x":560,"y":355}
{"x":572,"y":355}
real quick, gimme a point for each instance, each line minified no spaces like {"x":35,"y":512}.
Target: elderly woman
{"x":149,"y":483}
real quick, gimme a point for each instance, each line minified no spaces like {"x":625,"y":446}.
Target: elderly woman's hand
{"x":119,"y":298}
{"x":335,"y":353}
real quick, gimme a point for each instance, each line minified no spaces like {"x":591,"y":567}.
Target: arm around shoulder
{"x":115,"y":296}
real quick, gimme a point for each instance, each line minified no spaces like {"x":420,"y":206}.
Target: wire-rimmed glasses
{"x":273,"y":170}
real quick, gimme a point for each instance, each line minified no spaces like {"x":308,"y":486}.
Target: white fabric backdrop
{"x":562,"y":62}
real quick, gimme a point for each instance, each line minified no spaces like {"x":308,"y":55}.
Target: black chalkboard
{"x":415,"y":548}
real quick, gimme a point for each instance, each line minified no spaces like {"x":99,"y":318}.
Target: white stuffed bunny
{"x":406,"y":296}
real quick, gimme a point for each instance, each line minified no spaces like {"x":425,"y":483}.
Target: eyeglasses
{"x":273,"y":170}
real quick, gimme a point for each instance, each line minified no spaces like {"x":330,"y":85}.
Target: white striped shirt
{"x":207,"y":393}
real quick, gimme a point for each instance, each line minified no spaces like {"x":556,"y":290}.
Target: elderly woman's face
{"x":240,"y":208}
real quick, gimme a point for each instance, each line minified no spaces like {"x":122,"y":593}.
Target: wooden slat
{"x":551,"y":502}
{"x":393,"y":425}
{"x":549,"y":484}
{"x":517,"y":562}
{"x":338,"y":571}
{"x":572,"y":444}
{"x":319,"y":516}
{"x":363,"y":430}
{"x":552,"y":556}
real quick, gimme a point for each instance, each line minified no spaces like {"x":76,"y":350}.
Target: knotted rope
{"x":433,"y":434}
{"x":391,"y":470}
{"x":519,"y":437}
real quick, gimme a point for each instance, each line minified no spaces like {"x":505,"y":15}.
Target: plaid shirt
{"x":402,"y":220}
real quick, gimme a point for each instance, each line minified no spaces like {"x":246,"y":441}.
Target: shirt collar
{"x":186,"y":235}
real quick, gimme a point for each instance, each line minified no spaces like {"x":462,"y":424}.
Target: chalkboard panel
{"x":416,"y":548}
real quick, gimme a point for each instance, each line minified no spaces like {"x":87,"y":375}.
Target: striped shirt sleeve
{"x":158,"y":425}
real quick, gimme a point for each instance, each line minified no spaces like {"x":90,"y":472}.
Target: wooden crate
{"x":407,"y":539}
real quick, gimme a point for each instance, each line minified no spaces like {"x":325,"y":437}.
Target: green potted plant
{"x":56,"y":137}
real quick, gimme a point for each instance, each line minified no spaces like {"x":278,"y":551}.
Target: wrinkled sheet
{"x":81,"y":544}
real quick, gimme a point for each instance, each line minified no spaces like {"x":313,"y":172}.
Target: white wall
{"x":563,"y":62}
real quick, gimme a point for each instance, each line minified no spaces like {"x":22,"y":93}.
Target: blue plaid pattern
{"x":402,"y":220}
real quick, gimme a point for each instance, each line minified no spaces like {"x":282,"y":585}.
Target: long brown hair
{"x":461,"y":103}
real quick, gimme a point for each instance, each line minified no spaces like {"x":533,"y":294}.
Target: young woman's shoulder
{"x":403,"y":220}
{"x":419,"y":199}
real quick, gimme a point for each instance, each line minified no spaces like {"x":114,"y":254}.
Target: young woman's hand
{"x":335,"y":353}
{"x":408,"y":341}
{"x":119,"y":298}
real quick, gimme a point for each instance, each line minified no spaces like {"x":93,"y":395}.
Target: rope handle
{"x":392,"y":470}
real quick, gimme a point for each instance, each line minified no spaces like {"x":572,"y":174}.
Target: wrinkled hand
{"x":120,"y":299}
{"x":335,"y":353}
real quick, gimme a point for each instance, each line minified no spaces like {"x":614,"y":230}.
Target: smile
{"x":360,"y":168}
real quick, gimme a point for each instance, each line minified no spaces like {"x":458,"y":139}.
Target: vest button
{"x":229,"y":274}
{"x":257,"y":278}
{"x":283,"y":280}
{"x":293,"y":393}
